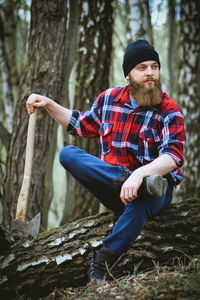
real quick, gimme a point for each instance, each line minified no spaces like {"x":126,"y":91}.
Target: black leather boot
{"x":155,"y":185}
{"x":102,"y":263}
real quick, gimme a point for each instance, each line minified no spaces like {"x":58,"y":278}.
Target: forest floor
{"x":180,"y":282}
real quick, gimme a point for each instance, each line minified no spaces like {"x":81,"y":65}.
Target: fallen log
{"x":61,"y":257}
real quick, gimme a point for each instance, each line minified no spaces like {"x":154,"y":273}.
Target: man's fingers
{"x":30,"y":108}
{"x":122,"y":196}
{"x":127,"y":194}
{"x":30,"y":104}
{"x":33,"y":101}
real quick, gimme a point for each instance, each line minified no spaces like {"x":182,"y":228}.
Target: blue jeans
{"x":97,"y":177}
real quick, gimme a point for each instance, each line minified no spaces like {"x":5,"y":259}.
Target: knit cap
{"x":137,"y":52}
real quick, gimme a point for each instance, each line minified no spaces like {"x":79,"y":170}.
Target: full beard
{"x":150,"y":95}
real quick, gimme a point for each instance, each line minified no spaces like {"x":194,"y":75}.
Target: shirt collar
{"x":123,"y":96}
{"x":133,"y":103}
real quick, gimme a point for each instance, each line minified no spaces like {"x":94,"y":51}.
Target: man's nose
{"x":149,"y":71}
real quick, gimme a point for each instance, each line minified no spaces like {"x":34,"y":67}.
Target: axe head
{"x":26,"y":229}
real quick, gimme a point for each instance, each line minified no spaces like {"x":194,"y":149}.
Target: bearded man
{"x":142,"y":135}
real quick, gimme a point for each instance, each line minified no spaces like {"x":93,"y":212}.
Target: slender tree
{"x":13,"y":41}
{"x":9,"y":15}
{"x":43,"y":75}
{"x":7,"y":58}
{"x":6,"y":97}
{"x":93,"y":68}
{"x":67,"y":98}
{"x":172,"y":45}
{"x":189,"y":91}
{"x":138,"y":20}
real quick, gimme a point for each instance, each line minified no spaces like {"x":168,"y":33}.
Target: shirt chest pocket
{"x":149,"y":135}
{"x":148,"y":143}
{"x":105,"y":133}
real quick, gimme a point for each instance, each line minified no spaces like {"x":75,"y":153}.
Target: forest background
{"x":71,"y":51}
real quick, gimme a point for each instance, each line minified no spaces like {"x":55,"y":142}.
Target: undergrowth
{"x":180,"y":281}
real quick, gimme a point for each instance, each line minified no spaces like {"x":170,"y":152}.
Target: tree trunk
{"x":10,"y":42}
{"x":189,"y":91}
{"x":44,"y":76}
{"x":48,"y":183}
{"x":67,"y":99}
{"x":138,"y":21}
{"x":61,"y":258}
{"x":93,"y":69}
{"x":6,"y":98}
{"x":171,"y":47}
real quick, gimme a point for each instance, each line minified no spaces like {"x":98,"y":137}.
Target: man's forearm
{"x":163,"y":165}
{"x":59,"y":113}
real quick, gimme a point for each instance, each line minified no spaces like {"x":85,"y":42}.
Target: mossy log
{"x":61,"y":257}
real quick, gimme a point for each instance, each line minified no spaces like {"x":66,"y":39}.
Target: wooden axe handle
{"x":22,"y":202}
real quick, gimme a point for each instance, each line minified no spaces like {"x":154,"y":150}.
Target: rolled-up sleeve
{"x":173,"y":138}
{"x":85,"y":124}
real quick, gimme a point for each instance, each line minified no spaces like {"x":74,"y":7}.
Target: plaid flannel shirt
{"x":132,"y":137}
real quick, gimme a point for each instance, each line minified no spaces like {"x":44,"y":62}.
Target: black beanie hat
{"x":137,"y":52}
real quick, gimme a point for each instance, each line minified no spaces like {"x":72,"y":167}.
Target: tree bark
{"x":189,"y":91}
{"x":44,"y":76}
{"x":61,"y":258}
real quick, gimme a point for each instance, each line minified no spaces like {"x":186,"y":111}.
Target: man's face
{"x":145,"y":85}
{"x":145,"y":73}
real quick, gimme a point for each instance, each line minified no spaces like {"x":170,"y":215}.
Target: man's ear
{"x":127,"y":77}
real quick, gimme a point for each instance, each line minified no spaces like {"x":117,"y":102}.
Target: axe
{"x":19,"y":225}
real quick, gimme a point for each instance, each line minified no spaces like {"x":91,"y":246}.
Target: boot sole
{"x":156,"y":185}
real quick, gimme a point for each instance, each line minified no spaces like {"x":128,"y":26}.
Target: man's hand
{"x":164,"y":164}
{"x":130,"y":187}
{"x":35,"y":100}
{"x":59,"y":113}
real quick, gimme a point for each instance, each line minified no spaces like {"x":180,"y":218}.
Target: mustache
{"x":149,"y":78}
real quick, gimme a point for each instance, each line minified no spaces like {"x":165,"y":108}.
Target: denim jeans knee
{"x":66,"y":155}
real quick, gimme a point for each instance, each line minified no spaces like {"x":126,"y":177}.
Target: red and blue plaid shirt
{"x":132,"y":137}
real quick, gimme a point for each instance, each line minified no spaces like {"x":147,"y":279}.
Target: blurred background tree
{"x":94,"y":52}
{"x":189,"y":94}
{"x":71,"y":51}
